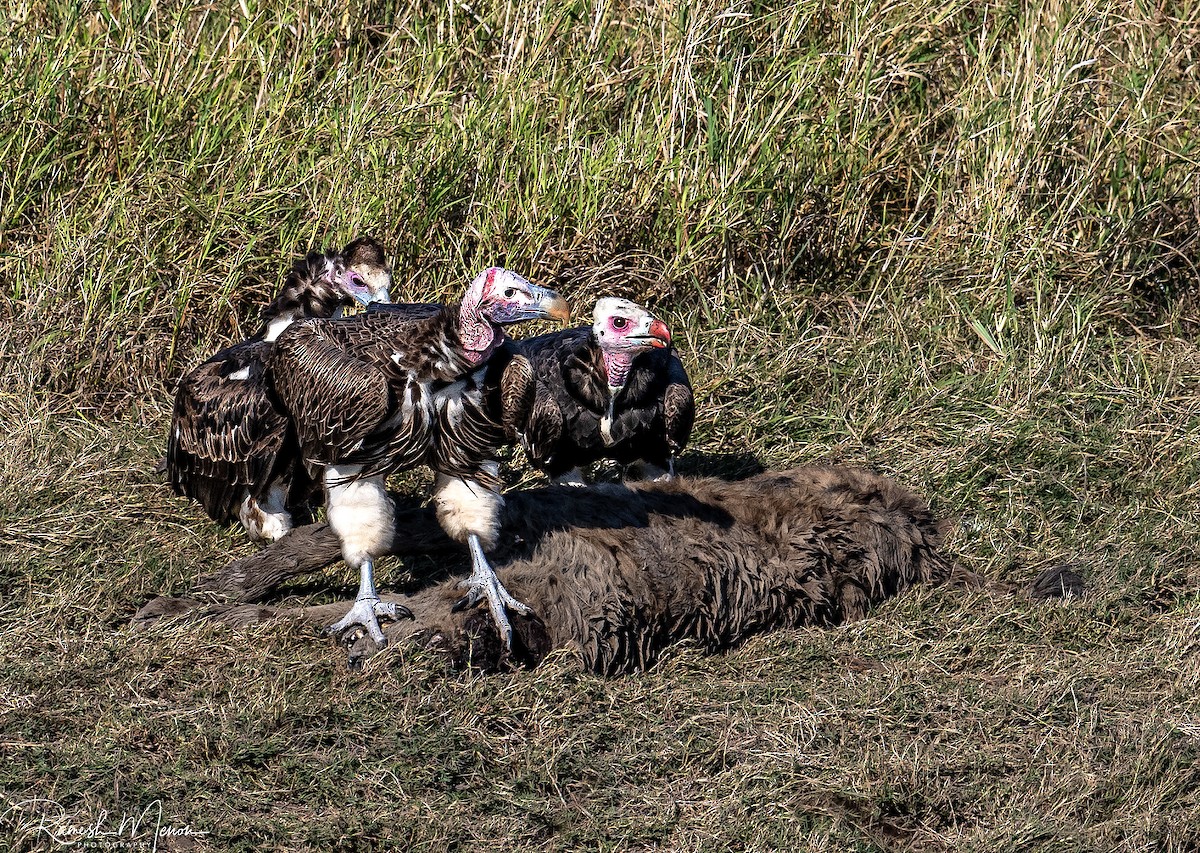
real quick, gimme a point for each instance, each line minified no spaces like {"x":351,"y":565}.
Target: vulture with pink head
{"x":384,"y":392}
{"x":616,"y":390}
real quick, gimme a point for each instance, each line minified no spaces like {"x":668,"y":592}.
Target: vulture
{"x":386,"y":391}
{"x":230,"y":447}
{"x":616,"y":390}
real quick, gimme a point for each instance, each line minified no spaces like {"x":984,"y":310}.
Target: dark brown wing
{"x":518,"y":388}
{"x":228,"y":434}
{"x":679,"y":405}
{"x":562,"y":430}
{"x":412,"y":310}
{"x":336,"y":400}
{"x":352,"y":397}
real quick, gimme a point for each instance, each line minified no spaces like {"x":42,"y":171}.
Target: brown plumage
{"x":384,"y":392}
{"x":230,"y":447}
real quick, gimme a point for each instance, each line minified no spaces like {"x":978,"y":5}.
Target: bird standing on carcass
{"x":384,"y":392}
{"x":614,"y":391}
{"x":230,"y":447}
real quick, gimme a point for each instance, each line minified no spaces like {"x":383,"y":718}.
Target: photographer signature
{"x":48,"y":818}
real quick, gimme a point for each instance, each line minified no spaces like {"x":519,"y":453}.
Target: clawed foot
{"x":481,"y":586}
{"x":366,"y":612}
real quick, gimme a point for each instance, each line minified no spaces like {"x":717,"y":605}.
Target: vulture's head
{"x":621,"y":326}
{"x":362,"y":273}
{"x":502,"y":297}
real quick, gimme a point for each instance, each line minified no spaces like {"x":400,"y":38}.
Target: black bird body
{"x":575,"y":418}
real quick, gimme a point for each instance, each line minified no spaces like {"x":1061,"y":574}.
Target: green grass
{"x":955,"y":242}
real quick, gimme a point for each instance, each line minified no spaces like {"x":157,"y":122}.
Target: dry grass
{"x":957,"y":243}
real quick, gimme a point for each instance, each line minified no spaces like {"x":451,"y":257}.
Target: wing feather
{"x":337,"y":401}
{"x":228,"y":434}
{"x":679,"y":405}
{"x":518,"y":388}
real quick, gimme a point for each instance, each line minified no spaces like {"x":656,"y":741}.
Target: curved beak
{"x":548,"y":305}
{"x":657,"y":335}
{"x":660,"y":333}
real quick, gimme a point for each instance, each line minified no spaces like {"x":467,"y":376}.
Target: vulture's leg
{"x":268,"y":519}
{"x":484,"y":583}
{"x":368,"y":608}
{"x":574,"y":477}
{"x":469,"y":511}
{"x":361,"y":514}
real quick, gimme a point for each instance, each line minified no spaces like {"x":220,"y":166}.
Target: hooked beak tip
{"x":556,"y":308}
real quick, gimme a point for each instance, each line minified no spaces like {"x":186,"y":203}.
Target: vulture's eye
{"x":619,"y":322}
{"x":510,"y":293}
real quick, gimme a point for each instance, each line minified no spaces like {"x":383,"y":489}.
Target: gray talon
{"x":482,"y":584}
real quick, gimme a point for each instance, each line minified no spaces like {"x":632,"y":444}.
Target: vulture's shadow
{"x":727,"y":466}
{"x":529,"y":517}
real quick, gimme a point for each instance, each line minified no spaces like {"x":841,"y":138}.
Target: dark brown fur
{"x":617,"y":574}
{"x":707,"y":561}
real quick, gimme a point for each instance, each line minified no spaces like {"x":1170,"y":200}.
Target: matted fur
{"x":709,"y":561}
{"x":619,"y":573}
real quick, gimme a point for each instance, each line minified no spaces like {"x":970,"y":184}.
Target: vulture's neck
{"x":616,"y":365}
{"x":478,"y":336}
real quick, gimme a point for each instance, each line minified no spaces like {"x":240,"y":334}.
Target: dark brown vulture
{"x":383,"y":392}
{"x":230,"y":448}
{"x":614,"y":391}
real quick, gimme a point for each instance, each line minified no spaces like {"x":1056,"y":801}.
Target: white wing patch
{"x":242,"y":374}
{"x":276,"y":327}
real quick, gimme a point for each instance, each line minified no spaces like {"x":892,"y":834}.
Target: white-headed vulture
{"x":386,"y":391}
{"x":230,"y":447}
{"x":614,"y":391}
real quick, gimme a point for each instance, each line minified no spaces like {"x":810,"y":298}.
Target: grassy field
{"x":956,"y":242}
